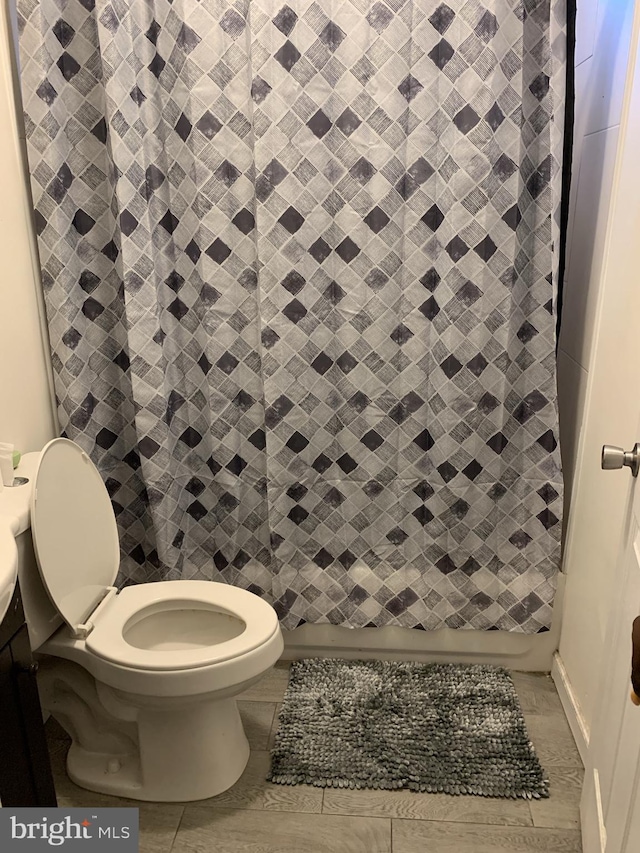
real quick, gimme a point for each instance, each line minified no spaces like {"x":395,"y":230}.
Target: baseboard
{"x":594,"y":833}
{"x":571,"y":707}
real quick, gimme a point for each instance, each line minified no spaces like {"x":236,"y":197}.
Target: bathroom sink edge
{"x":8,"y":563}
{"x":14,"y":519}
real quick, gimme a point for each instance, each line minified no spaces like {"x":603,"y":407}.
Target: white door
{"x":610,"y":807}
{"x":611,"y":797}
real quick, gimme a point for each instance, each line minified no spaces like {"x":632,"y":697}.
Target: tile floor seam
{"x":384,"y":847}
{"x":175,"y":834}
{"x":272,"y":730}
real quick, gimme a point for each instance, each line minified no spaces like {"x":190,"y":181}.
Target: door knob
{"x":616,"y":457}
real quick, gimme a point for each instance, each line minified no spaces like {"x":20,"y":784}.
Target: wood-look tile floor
{"x":257,"y":817}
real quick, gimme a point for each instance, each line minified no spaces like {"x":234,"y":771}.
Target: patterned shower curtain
{"x":299,"y":262}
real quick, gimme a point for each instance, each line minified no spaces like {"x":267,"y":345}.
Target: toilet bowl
{"x":143,"y":679}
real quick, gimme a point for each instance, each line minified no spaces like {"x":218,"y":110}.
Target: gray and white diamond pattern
{"x":298,"y":262}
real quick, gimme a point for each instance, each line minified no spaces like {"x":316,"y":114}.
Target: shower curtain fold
{"x":300,"y":269}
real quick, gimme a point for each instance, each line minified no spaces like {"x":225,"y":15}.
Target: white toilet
{"x":143,"y":679}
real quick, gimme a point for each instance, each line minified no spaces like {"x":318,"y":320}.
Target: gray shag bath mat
{"x":442,"y":728}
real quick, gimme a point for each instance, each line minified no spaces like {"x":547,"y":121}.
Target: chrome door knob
{"x":616,"y":457}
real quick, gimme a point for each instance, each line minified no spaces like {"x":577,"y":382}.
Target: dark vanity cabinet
{"x":25,"y":771}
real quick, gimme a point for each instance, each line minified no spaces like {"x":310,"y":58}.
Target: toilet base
{"x":96,"y":771}
{"x":190,"y":753}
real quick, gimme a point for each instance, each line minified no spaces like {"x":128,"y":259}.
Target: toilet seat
{"x":76,"y":541}
{"x":74,"y":531}
{"x":107,"y":639}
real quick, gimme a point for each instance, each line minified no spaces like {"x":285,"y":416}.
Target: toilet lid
{"x":74,"y":530}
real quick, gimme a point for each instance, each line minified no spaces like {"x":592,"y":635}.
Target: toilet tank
{"x":41,"y":615}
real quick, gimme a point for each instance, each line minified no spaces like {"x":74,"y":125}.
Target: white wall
{"x":602,"y":44}
{"x":26,"y":417}
{"x":604,"y":30}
